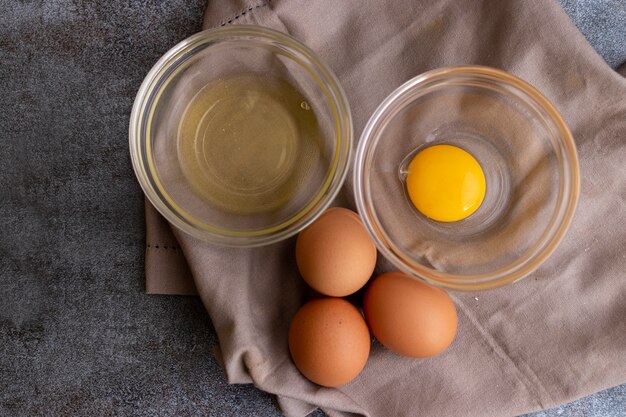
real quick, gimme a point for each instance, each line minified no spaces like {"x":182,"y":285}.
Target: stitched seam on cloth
{"x":520,"y":375}
{"x":162,"y":246}
{"x":243,"y":13}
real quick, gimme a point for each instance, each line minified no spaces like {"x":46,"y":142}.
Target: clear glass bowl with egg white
{"x":240,"y":136}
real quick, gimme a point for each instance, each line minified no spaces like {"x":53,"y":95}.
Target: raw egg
{"x":408,"y":316}
{"x":335,"y":254}
{"x":445,"y":183}
{"x":329,"y":341}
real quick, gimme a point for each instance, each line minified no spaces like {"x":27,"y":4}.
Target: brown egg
{"x":329,"y":341}
{"x":335,"y":255}
{"x":409,"y":317}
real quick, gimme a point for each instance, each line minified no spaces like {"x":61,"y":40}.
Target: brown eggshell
{"x":335,"y":254}
{"x":408,"y":316}
{"x":329,"y":341}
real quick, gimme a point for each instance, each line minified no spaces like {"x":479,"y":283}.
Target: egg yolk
{"x":445,"y":183}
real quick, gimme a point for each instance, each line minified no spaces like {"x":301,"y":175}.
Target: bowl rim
{"x":513,"y":271}
{"x":343,"y":122}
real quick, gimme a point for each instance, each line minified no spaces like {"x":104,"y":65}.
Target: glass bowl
{"x":287,"y":183}
{"x":526,"y":152}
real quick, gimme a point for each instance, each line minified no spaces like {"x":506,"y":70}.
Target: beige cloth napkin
{"x":555,"y":336}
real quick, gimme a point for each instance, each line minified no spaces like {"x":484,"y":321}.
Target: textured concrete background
{"x":77,"y":334}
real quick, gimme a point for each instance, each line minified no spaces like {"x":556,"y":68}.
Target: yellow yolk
{"x":445,"y":183}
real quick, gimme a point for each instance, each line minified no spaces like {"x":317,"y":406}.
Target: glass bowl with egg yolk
{"x":466,"y":178}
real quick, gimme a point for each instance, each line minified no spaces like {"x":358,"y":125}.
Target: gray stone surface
{"x":603,"y":22}
{"x":78,"y":337}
